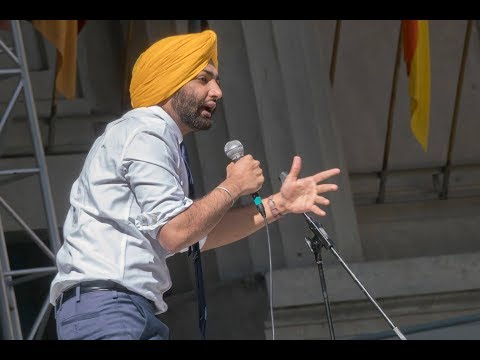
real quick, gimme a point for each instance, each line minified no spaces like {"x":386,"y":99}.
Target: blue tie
{"x":191,"y":189}
{"x":197,"y":261}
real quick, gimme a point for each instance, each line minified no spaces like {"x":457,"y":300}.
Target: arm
{"x":150,"y":167}
{"x":243,"y":177}
{"x":295,"y":196}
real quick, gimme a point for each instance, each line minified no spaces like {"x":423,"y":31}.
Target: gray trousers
{"x":108,"y":315}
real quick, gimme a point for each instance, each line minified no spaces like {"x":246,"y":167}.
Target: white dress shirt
{"x":133,"y":182}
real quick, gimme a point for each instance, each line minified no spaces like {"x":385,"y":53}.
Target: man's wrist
{"x":276,"y":203}
{"x":233,"y":189}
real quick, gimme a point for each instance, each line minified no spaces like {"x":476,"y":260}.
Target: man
{"x":130,"y":208}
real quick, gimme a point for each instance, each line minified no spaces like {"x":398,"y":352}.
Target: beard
{"x":189,"y":110}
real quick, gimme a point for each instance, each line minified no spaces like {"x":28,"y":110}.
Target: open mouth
{"x":207,"y":110}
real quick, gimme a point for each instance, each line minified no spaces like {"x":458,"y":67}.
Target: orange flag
{"x":63,"y":35}
{"x":416,"y":52}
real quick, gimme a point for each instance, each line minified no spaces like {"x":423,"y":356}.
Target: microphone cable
{"x":270,"y":277}
{"x":234,"y":151}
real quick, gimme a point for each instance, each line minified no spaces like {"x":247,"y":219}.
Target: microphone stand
{"x":320,"y":239}
{"x":315,"y":244}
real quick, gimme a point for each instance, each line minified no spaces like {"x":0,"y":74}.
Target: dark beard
{"x":188,"y":109}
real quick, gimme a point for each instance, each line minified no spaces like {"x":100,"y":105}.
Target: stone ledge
{"x":435,"y":316}
{"x":382,"y":279}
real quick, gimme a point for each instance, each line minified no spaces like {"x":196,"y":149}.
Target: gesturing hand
{"x":302,"y":195}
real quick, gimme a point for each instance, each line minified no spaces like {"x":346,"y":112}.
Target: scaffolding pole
{"x":9,"y":314}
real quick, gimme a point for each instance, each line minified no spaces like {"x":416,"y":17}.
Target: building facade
{"x":417,"y":255}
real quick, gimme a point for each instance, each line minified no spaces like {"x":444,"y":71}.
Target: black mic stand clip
{"x":315,"y":243}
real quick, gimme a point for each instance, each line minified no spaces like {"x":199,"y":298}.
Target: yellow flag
{"x":416,"y":53}
{"x":63,"y":35}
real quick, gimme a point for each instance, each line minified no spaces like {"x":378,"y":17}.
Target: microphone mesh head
{"x":234,"y":150}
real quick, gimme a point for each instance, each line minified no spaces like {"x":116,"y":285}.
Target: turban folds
{"x":169,"y":64}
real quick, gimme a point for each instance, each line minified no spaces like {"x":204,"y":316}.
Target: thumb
{"x":296,"y":167}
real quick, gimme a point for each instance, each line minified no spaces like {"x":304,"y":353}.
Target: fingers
{"x":248,"y":159}
{"x":246,"y":175}
{"x":296,"y":167}
{"x":315,"y":209}
{"x":321,"y":176}
{"x":323,"y":188}
{"x":322,"y":201}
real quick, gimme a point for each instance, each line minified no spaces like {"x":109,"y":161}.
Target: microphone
{"x":234,"y":151}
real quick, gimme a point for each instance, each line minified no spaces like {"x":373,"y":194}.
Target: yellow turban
{"x":169,"y":64}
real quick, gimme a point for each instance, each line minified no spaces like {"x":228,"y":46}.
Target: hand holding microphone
{"x":246,"y":172}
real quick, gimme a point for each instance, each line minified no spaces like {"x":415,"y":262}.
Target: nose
{"x":215,"y":90}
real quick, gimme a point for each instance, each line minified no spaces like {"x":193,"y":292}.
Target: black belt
{"x":88,"y":286}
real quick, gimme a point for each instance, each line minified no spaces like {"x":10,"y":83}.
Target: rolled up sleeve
{"x":151,"y":168}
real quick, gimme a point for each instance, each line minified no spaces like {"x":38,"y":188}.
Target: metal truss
{"x":9,"y":314}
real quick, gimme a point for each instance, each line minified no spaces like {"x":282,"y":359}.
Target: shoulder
{"x":142,"y":123}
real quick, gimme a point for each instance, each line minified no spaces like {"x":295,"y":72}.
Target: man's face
{"x":196,"y":101}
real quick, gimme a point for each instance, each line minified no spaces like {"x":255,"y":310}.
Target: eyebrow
{"x":217,"y":78}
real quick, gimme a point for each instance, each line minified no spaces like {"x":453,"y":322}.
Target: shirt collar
{"x":157,"y":110}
